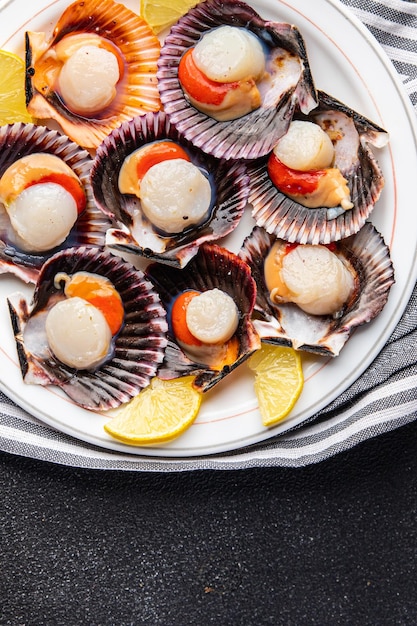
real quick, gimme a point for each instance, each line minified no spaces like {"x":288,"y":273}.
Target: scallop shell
{"x":286,"y":324}
{"x":229,"y":180}
{"x":287,"y":219}
{"x":254,"y":134}
{"x":19,"y":140}
{"x":137,"y":90}
{"x":213,"y":267}
{"x":139,"y":346}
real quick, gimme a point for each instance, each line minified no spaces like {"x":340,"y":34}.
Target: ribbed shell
{"x":19,"y":140}
{"x":229,"y":178}
{"x":287,"y":219}
{"x":213,"y":267}
{"x":138,"y":47}
{"x":139,"y":346}
{"x":254,"y":134}
{"x":287,"y":324}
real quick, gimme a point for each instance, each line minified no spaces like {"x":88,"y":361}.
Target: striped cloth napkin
{"x":382,"y":399}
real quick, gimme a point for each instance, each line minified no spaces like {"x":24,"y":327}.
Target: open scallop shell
{"x":287,"y":219}
{"x":137,"y":91}
{"x":139,"y":347}
{"x":286,"y":324}
{"x":229,"y":179}
{"x":213,"y":267}
{"x":19,"y":140}
{"x":256,"y":133}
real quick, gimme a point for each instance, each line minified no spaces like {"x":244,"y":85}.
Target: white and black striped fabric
{"x":382,"y":399}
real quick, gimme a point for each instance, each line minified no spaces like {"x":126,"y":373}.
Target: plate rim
{"x":161,"y":452}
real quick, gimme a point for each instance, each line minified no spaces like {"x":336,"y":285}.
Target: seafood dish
{"x":95,"y":328}
{"x":321,"y":181}
{"x":209,"y":306}
{"x":97,"y":70}
{"x":166,"y":196}
{"x":46,"y":203}
{"x":311,"y":296}
{"x":231,"y":81}
{"x":210,"y":199}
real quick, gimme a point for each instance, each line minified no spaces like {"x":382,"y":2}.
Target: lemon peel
{"x":278,"y":383}
{"x":159,"y":413}
{"x":12,"y":89}
{"x":161,"y":14}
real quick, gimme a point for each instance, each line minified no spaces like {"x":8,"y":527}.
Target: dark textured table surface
{"x":334,"y":543}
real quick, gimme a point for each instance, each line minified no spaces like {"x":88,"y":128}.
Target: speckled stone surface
{"x":330,"y":544}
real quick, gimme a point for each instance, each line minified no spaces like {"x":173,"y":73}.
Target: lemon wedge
{"x":12,"y":89}
{"x":279,"y":381}
{"x":161,"y":14}
{"x":160,"y":412}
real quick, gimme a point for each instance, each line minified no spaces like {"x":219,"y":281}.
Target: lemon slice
{"x":279,"y":381}
{"x":160,"y":412}
{"x":161,"y":14}
{"x":12,"y":89}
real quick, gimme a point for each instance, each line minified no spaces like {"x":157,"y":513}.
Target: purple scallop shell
{"x":287,"y":219}
{"x":19,"y":140}
{"x":213,"y":267}
{"x":229,"y":180}
{"x":138,"y":348}
{"x":256,"y":133}
{"x":286,"y":324}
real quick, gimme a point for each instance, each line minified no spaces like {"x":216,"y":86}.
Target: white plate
{"x":348,"y":63}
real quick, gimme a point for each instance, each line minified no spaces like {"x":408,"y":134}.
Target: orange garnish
{"x":178,"y":318}
{"x":100,"y":293}
{"x":198,"y":86}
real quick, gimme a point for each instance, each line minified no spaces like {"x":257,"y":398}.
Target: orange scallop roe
{"x":156,"y":153}
{"x":290,"y":181}
{"x":100,"y":293}
{"x":178,"y":318}
{"x":198,"y":85}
